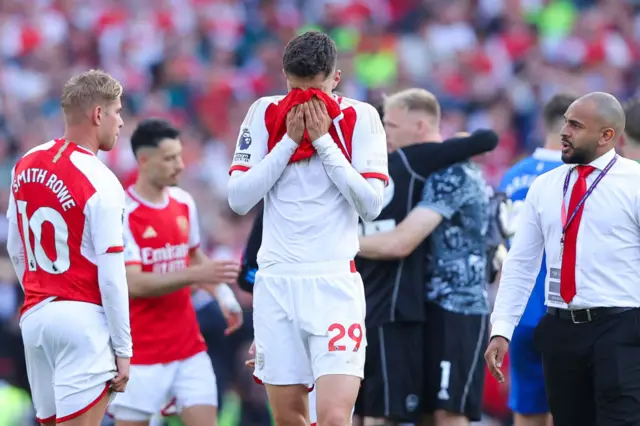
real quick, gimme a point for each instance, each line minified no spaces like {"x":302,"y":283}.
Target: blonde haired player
{"x":66,"y":244}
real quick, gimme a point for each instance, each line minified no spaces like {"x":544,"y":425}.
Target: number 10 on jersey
{"x":36,"y":256}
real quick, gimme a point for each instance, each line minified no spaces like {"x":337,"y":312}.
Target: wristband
{"x":226,"y":298}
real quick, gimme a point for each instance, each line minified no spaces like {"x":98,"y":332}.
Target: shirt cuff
{"x":502,"y":328}
{"x":288,"y":143}
{"x":323,"y":140}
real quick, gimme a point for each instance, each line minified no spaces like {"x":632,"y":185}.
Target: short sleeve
{"x":194,"y":223}
{"x":442,"y":191}
{"x":369,"y":144}
{"x":251,"y":146}
{"x":132,"y":254}
{"x":106,"y":217}
{"x":11,"y":208}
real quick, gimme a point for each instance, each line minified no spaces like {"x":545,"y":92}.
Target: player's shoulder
{"x":31,"y":156}
{"x":40,"y":148}
{"x":181,"y":196}
{"x":364,"y":110}
{"x":261,"y":104}
{"x":257,"y":114}
{"x":131,"y":203}
{"x":366,"y":117}
{"x":522,"y":167}
{"x":101,"y":178}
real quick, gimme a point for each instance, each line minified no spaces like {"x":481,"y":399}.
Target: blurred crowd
{"x":201,"y":63}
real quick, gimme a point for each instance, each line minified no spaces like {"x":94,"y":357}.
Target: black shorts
{"x":393,"y":372}
{"x":454,"y":362}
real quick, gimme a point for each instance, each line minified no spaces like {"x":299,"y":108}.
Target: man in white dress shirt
{"x":586,"y":216}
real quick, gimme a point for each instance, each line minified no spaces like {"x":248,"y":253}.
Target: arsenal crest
{"x":260,"y":360}
{"x":183,"y":224}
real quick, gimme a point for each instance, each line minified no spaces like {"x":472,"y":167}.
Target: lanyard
{"x":566,"y":222}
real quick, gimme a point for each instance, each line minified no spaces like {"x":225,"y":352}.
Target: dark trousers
{"x":592,"y":370}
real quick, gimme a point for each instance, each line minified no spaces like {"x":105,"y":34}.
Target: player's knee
{"x":334,"y":416}
{"x":335,"y":397}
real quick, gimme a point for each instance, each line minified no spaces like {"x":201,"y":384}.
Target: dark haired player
{"x":163,"y":260}
{"x":309,"y":304}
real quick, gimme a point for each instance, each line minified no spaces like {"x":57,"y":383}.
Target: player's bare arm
{"x":231,"y":309}
{"x":403,"y":239}
{"x":364,"y":194}
{"x":154,"y":284}
{"x":254,"y":171}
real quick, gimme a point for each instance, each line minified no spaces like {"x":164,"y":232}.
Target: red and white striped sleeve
{"x":369,"y":144}
{"x":105,"y":214}
{"x":132,"y":254}
{"x":253,"y":137}
{"x":254,"y":171}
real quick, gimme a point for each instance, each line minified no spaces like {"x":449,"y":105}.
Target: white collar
{"x":601,"y":162}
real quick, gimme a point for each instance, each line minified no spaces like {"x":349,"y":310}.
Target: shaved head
{"x":608,"y":109}
{"x":593,"y":125}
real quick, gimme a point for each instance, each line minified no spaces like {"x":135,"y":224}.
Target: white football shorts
{"x":308,"y":322}
{"x":152,"y":388}
{"x":69,"y":358}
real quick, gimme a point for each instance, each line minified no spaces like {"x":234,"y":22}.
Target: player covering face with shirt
{"x":319,"y":161}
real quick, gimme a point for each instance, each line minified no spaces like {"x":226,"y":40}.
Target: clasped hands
{"x":312,"y":116}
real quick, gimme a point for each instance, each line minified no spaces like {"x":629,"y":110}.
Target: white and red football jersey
{"x":159,"y":237}
{"x":68,"y":207}
{"x":328,"y":230}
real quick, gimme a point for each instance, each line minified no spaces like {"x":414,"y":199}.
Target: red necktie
{"x":568,"y":269}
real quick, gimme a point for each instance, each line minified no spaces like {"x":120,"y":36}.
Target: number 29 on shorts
{"x":338,"y":332}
